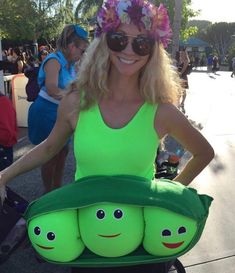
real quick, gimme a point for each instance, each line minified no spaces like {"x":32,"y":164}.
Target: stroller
{"x":12,"y":224}
{"x":167,"y":165}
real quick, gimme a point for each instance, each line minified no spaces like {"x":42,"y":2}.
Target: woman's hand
{"x":170,"y":121}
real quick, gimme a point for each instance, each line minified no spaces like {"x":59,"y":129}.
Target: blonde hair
{"x":158,"y":79}
{"x":68,"y":36}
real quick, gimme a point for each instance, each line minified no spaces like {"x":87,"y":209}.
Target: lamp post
{"x":176,"y":27}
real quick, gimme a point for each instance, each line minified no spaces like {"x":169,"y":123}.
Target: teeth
{"x":126,"y":61}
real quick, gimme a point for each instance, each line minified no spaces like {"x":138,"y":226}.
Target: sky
{"x":215,"y":10}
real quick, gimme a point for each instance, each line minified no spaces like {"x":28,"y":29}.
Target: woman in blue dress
{"x":56,"y":73}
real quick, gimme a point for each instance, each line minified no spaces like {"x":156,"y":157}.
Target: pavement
{"x":210,"y":106}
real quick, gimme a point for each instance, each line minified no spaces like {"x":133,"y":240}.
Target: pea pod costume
{"x":170,"y":219}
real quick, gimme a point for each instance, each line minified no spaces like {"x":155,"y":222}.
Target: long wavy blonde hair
{"x":158,"y":79}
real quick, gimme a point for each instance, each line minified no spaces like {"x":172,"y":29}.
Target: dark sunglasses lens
{"x":116,"y":41}
{"x":142,"y":46}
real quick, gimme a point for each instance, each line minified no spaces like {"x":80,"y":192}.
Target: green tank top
{"x":130,"y":150}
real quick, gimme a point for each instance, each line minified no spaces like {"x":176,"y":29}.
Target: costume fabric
{"x":101,"y":150}
{"x":43,"y":111}
{"x":8,"y":127}
{"x":8,"y":132}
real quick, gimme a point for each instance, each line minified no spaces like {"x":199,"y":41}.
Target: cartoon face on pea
{"x":55,"y":236}
{"x":166,"y":232}
{"x":111,"y":230}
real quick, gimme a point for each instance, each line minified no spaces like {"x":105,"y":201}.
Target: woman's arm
{"x":48,"y":148}
{"x":170,"y":121}
{"x":52,"y":69}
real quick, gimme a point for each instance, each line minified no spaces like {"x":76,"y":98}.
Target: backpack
{"x":32,"y":87}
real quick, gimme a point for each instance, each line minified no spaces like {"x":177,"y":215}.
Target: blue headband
{"x":81,"y":32}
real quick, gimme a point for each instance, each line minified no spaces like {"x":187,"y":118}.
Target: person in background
{"x":17,"y":61}
{"x":56,"y":72}
{"x":8,"y":131}
{"x":121,"y":106}
{"x":215,"y":64}
{"x":31,"y":72}
{"x":183,"y":64}
{"x":233,"y":67}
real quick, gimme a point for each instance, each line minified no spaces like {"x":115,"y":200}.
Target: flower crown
{"x":140,"y":12}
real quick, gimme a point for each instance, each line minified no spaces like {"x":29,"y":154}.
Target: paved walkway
{"x":210,"y":102}
{"x":210,"y":105}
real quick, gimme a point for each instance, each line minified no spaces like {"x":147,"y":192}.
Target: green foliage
{"x":219,"y":35}
{"x":17,"y":18}
{"x":34,"y":19}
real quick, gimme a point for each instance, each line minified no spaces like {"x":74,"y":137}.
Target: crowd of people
{"x":17,"y":59}
{"x":118,"y":105}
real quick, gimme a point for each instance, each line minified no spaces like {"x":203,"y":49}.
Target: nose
{"x":129,"y":49}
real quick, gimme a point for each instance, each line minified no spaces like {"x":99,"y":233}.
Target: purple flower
{"x":140,"y":12}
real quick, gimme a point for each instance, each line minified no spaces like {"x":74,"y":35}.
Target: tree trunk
{"x":176,"y":27}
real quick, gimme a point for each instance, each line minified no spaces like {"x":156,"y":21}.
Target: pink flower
{"x":140,"y":12}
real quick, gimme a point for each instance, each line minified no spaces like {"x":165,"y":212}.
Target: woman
{"x":17,"y":61}
{"x":122,"y":105}
{"x":56,"y":72}
{"x":183,"y":68}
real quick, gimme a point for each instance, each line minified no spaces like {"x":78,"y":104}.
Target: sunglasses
{"x":141,"y":45}
{"x":83,"y":50}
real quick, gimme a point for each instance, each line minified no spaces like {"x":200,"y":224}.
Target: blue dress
{"x":43,"y":111}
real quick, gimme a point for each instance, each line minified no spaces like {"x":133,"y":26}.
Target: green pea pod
{"x":157,"y":198}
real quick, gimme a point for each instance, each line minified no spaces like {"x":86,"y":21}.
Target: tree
{"x":31,"y":20}
{"x":219,"y":35}
{"x":16,"y":18}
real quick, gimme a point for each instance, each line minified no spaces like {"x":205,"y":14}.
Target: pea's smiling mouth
{"x":109,"y":236}
{"x":45,"y":247}
{"x":172,"y":245}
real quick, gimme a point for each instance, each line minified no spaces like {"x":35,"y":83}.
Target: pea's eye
{"x":166,"y":232}
{"x":118,"y":214}
{"x":37,"y":230}
{"x":181,"y":230}
{"x":100,"y":214}
{"x":51,"y":236}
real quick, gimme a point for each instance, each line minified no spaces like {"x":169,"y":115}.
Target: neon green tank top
{"x":130,"y":150}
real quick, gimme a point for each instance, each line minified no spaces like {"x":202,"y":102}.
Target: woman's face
{"x":76,"y":52}
{"x":127,"y":62}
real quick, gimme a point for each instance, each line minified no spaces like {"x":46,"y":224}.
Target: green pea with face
{"x":111,"y":230}
{"x":166,"y":232}
{"x":55,"y":236}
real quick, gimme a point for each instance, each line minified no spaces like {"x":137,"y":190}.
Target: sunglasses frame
{"x":134,"y":43}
